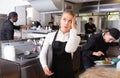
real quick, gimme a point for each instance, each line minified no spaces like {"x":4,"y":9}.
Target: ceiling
{"x":81,"y":1}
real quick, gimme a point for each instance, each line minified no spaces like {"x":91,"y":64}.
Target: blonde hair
{"x":69,"y":12}
{"x":99,"y":72}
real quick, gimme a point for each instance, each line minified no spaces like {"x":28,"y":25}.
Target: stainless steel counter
{"x":20,"y":66}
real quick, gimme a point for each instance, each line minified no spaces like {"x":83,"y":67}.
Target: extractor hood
{"x":47,"y":5}
{"x":81,"y":1}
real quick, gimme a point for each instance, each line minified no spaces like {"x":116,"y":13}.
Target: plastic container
{"x":8,"y":52}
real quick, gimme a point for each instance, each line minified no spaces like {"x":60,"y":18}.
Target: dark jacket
{"x":7,"y":30}
{"x":90,"y":26}
{"x":94,"y":44}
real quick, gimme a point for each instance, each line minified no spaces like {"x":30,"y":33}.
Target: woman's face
{"x":65,"y":22}
{"x":108,"y":38}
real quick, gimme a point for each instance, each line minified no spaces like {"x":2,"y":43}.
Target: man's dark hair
{"x":12,"y":14}
{"x":90,"y":18}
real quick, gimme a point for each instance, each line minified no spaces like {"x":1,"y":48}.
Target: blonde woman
{"x":64,"y":42}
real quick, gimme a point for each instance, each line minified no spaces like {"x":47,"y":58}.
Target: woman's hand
{"x":47,"y":71}
{"x":99,"y":53}
{"x":74,"y":22}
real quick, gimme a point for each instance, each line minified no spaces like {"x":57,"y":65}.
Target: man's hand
{"x":99,"y":53}
{"x":25,"y":26}
{"x":108,"y":59}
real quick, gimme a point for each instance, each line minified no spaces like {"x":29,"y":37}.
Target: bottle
{"x":39,"y":27}
{"x":46,"y":28}
{"x":118,"y":69}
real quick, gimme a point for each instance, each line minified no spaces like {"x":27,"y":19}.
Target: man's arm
{"x":21,"y":27}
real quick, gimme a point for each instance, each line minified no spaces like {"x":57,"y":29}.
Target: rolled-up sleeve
{"x":73,"y":41}
{"x":43,"y":53}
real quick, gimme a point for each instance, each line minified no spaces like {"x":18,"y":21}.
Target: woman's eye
{"x":64,"y":19}
{"x":70,"y":21}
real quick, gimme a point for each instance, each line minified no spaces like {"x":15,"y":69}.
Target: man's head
{"x":13,"y":16}
{"x":111,"y":35}
{"x":90,"y":20}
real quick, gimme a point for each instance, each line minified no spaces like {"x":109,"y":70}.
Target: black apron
{"x":62,"y":61}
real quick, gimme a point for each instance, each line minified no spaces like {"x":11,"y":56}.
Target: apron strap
{"x":55,"y":36}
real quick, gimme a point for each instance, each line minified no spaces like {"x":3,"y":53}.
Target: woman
{"x":97,"y":45}
{"x":64,"y":42}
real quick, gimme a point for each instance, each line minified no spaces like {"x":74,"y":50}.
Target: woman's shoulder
{"x":51,"y":35}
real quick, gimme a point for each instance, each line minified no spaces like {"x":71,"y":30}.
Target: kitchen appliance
{"x":47,"y":5}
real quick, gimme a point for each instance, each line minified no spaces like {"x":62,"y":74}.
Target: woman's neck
{"x":63,"y":31}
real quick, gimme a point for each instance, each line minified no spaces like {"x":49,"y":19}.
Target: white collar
{"x":60,"y":32}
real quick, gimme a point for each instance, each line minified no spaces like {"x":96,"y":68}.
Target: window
{"x":113,"y":16}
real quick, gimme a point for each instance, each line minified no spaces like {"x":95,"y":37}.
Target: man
{"x":97,"y":45}
{"x":90,"y":28}
{"x":7,"y":30}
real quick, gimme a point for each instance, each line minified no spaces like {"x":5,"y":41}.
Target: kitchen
{"x":30,"y":11}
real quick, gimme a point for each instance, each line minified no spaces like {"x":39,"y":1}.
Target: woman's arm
{"x":43,"y":54}
{"x":47,"y":42}
{"x":73,"y":41}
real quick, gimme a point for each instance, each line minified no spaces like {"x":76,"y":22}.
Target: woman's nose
{"x":66,"y":22}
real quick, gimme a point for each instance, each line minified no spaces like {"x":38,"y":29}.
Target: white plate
{"x":100,"y":62}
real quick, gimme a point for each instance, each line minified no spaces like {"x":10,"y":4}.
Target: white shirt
{"x":72,"y":43}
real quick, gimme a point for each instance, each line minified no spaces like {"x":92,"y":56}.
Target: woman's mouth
{"x":66,"y":27}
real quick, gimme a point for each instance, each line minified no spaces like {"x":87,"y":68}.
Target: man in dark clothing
{"x":90,"y":28}
{"x":7,"y":30}
{"x":96,"y":47}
